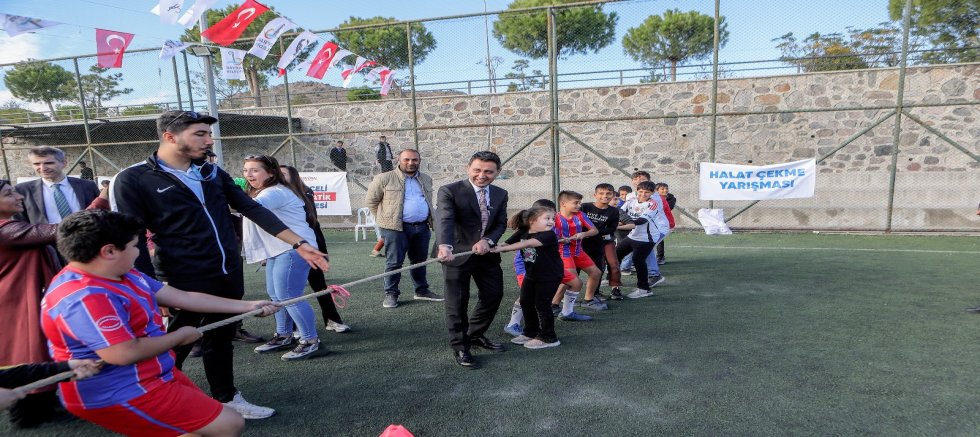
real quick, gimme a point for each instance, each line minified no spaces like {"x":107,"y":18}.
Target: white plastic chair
{"x":365,"y":220}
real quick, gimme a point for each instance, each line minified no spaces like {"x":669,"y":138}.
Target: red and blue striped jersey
{"x":565,"y":228}
{"x":83,"y":313}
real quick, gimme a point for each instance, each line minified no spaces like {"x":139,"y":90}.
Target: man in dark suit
{"x":54,"y":196}
{"x":472,"y":215}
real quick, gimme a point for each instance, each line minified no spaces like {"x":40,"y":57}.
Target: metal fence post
{"x":3,"y":155}
{"x":552,"y":73}
{"x":81,"y":95}
{"x":180,"y":102}
{"x":187,"y":74}
{"x":714,"y":94}
{"x":212,"y":99}
{"x":289,"y":107}
{"x":899,"y":103}
{"x":411,"y":81}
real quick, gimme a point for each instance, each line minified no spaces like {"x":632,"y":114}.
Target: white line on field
{"x":838,"y":249}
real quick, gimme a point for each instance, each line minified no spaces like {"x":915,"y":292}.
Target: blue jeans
{"x":285,"y":278}
{"x":413,"y":241}
{"x":653,"y":269}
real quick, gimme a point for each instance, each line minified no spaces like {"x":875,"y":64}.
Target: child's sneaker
{"x":278,"y":342}
{"x":337,"y":327}
{"x":661,"y":261}
{"x":657,"y":280}
{"x":600,"y":295}
{"x":520,"y":339}
{"x":247,"y":409}
{"x":638,"y":293}
{"x":538,"y":344}
{"x":595,"y":304}
{"x":627,"y":272}
{"x":604,"y":282}
{"x":305,"y":349}
{"x":555,"y":309}
{"x":514,"y":330}
{"x":574,"y":317}
{"x":616,"y":294}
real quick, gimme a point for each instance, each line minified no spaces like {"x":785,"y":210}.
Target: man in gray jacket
{"x":401,"y":201}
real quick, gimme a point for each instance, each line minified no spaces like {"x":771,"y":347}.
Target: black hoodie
{"x":193,"y":240}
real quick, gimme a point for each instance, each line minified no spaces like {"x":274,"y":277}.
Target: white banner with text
{"x":791,"y":180}
{"x":330,"y":193}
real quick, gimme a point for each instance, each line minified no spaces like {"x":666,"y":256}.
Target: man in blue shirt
{"x":401,"y":201}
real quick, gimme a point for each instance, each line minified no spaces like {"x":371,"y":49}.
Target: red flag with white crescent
{"x":231,"y":27}
{"x":360,"y":64}
{"x":387,"y":77}
{"x":322,"y":61}
{"x":111,"y":47}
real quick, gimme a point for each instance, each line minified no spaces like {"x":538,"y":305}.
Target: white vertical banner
{"x":792,"y":180}
{"x":170,"y":10}
{"x":231,"y":64}
{"x":269,"y":35}
{"x":330,"y":193}
{"x":189,"y":19}
{"x":295,"y":49}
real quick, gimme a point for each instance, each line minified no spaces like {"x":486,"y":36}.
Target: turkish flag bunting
{"x":231,"y":27}
{"x":322,"y":61}
{"x":111,"y":46}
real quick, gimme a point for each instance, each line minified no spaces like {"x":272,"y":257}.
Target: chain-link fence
{"x":576,"y":94}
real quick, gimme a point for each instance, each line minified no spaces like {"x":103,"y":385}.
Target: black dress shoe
{"x":465,"y":359}
{"x":974,"y":310}
{"x":486,"y":344}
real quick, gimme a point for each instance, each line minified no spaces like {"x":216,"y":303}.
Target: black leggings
{"x":640,"y":249}
{"x":318,"y":282}
{"x":539,"y":321}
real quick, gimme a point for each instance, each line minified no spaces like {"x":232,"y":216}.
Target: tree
{"x":870,"y":48}
{"x":579,"y":30}
{"x":227,"y":91}
{"x":142,"y":110}
{"x":13,"y":112}
{"x":36,"y":81}
{"x":537,"y":79}
{"x":99,"y":87}
{"x":363,"y":93}
{"x":675,"y":38}
{"x":385,"y":45}
{"x":951,"y":26}
{"x":255,"y":69}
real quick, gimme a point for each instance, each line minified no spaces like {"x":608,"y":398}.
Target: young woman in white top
{"x":286,"y":271}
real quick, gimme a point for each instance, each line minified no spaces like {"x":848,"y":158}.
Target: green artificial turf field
{"x":753,"y":334}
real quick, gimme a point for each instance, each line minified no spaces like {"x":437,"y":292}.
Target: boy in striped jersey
{"x":573,"y":226}
{"x":100,"y":307}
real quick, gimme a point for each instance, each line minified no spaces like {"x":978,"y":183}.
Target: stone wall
{"x":796,"y":117}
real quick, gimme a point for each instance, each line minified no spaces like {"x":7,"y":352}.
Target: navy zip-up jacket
{"x":193,"y":240}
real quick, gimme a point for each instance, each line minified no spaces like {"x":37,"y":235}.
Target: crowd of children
{"x":102,"y":317}
{"x":556,"y":244}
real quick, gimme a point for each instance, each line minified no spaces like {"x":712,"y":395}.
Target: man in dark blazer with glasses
{"x":472,"y":215}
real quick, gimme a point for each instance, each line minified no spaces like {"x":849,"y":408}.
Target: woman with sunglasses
{"x":286,"y":270}
{"x":28,"y":261}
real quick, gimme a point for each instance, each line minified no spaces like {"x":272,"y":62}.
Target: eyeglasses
{"x":193,"y":116}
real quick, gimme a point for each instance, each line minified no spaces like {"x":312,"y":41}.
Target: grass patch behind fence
{"x":753,"y":334}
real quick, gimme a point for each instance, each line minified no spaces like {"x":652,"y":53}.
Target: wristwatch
{"x":490,"y":242}
{"x":300,"y":243}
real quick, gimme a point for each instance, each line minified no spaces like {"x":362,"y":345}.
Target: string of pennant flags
{"x":112,"y":45}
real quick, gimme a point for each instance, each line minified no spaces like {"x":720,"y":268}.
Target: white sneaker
{"x":604,"y":282}
{"x":538,"y":344}
{"x":520,"y":339}
{"x":638,"y":293}
{"x":337,"y":327}
{"x":247,"y":410}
